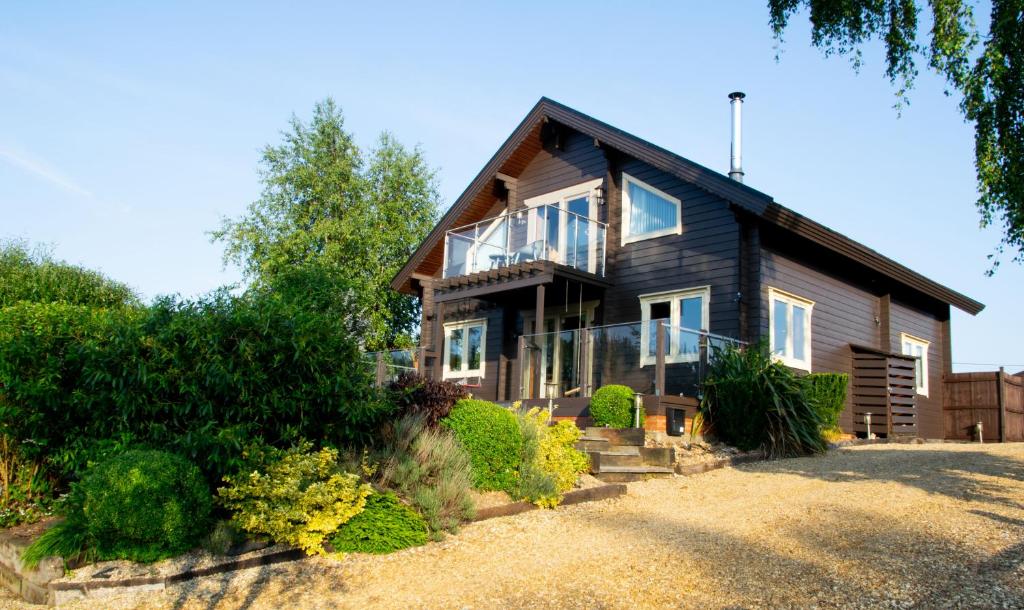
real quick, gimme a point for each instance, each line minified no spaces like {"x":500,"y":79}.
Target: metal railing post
{"x":518,"y":385}
{"x":584,"y":368}
{"x":380,"y":370}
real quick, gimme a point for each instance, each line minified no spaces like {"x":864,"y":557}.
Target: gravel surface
{"x":893,"y":526}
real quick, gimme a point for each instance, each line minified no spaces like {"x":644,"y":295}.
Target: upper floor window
{"x":685,"y":314}
{"x":464,"y":348}
{"x":648,"y":212}
{"x":918,"y":348}
{"x":789,"y":329}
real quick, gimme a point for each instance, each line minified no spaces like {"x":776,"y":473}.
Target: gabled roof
{"x":524,"y":143}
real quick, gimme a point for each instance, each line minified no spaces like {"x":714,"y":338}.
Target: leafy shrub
{"x":431,"y":469}
{"x":551,"y":463}
{"x":145,"y":505}
{"x":385,"y":525}
{"x":222,"y":537}
{"x":751,"y":401}
{"x":140,"y":505}
{"x":613,"y":406}
{"x":33,"y":275}
{"x":201,"y":378}
{"x":827,"y":393}
{"x":429,"y":397}
{"x":299,"y":500}
{"x":493,"y":439}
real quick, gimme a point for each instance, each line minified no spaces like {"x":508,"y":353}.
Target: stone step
{"x":618,"y":436}
{"x":626,"y":474}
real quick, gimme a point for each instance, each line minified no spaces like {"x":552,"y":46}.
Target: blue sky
{"x":128,"y":130}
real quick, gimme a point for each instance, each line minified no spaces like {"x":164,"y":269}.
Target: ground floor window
{"x":918,"y":348}
{"x":685,"y":314}
{"x":464,"y":348}
{"x":789,"y":328}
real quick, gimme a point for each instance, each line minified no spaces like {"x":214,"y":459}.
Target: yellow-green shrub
{"x":555,"y":456}
{"x":299,"y":500}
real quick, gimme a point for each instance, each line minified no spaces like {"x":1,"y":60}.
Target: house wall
{"x":917,"y":321}
{"x":843,"y":313}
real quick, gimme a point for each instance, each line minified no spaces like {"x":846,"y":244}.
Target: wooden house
{"x":582,"y":255}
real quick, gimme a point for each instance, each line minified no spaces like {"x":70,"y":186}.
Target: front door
{"x":560,"y":355}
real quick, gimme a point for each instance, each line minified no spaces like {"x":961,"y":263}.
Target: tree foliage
{"x":326,"y":202}
{"x":986,"y":70}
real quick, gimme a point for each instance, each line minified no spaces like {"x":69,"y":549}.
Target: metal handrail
{"x":526,"y":211}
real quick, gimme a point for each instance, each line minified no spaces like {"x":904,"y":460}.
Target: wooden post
{"x":885,"y":323}
{"x":584,"y":362}
{"x":421,"y":362}
{"x":438,"y":340}
{"x":517,"y":384}
{"x":659,"y":366}
{"x":538,"y":328}
{"x":379,"y":378}
{"x":1001,"y":401}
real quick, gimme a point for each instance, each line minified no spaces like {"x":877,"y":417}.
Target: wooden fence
{"x":995,"y":399}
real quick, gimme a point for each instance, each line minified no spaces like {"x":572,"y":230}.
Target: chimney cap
{"x":737,"y":95}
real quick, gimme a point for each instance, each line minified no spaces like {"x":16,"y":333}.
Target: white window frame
{"x":673,"y":297}
{"x":627,"y":210}
{"x":561,"y":199}
{"x":465,"y":325}
{"x":774,"y":294}
{"x":920,"y":385}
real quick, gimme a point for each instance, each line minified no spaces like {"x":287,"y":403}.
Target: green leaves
{"x":991,"y":82}
{"x":356,"y":215}
{"x":34,"y":276}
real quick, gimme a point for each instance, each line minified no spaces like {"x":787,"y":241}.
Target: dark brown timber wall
{"x":842,"y":314}
{"x":994,"y":399}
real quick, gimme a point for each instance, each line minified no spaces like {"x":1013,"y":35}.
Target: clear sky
{"x":128,"y":130}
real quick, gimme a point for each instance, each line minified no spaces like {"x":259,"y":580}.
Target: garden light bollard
{"x":638,"y":400}
{"x":867,"y":423}
{"x":978,"y":429}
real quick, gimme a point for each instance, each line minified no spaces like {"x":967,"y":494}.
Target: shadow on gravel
{"x":950,"y":473}
{"x":833,"y":557}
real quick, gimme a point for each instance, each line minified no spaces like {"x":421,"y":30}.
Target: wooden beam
{"x":439,"y":340}
{"x":885,"y":322}
{"x":538,"y":327}
{"x":1001,"y":401}
{"x":526,"y":282}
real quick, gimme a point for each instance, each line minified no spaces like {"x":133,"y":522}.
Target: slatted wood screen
{"x":883,"y":385}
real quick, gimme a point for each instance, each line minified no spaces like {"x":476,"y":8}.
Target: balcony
{"x":542,"y":233}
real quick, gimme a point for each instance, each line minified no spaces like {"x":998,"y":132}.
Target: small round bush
{"x":612,"y":406}
{"x":492,"y":437}
{"x":145,"y":505}
{"x":385,"y":525}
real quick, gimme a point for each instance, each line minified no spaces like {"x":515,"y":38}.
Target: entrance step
{"x":618,"y":436}
{"x":592,"y":443}
{"x":626,"y":474}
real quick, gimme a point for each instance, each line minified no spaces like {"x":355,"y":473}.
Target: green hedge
{"x":492,"y":437}
{"x":202,"y":378}
{"x":385,"y":525}
{"x":613,"y":406}
{"x":827,"y":393}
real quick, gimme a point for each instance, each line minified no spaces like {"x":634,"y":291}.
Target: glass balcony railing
{"x":577,"y":362}
{"x":542,"y":233}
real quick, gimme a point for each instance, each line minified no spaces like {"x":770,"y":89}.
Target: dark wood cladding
{"x":922,"y":324}
{"x":705,"y":254}
{"x":842,"y":313}
{"x":883,"y":386}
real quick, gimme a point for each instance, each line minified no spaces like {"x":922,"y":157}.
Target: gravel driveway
{"x":874,"y":526}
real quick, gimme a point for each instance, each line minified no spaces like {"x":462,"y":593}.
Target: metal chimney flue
{"x":736,"y":150}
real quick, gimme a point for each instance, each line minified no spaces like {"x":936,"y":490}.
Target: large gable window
{"x":918,"y":348}
{"x":464,"y":348}
{"x":789,"y":329}
{"x":685,"y":315}
{"x":648,"y":212}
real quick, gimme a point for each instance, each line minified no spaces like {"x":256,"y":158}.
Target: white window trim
{"x":672,"y":356}
{"x":627,"y":208}
{"x":560,"y":199}
{"x":447,"y":373}
{"x":922,"y":389}
{"x":774,"y":294}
